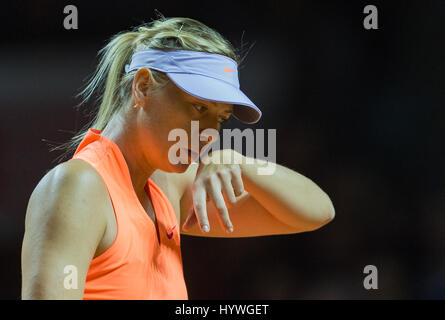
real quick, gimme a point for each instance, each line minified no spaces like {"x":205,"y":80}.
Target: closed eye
{"x":224,"y":121}
{"x":200,"y":107}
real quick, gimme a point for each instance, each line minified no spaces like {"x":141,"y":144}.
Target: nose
{"x":209,"y":128}
{"x":207,"y":136}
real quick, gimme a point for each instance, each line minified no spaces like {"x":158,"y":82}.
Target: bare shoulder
{"x":73,"y":187}
{"x":74,"y":175}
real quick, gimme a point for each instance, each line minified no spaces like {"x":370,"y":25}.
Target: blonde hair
{"x":112,"y":85}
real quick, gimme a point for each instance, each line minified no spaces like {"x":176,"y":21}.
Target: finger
{"x":214,"y":190}
{"x":237,"y":182}
{"x":200,"y":206}
{"x":227,"y":187}
{"x":191,"y":220}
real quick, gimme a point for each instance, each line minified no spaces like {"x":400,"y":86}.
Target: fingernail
{"x":205,"y":228}
{"x":230,"y":229}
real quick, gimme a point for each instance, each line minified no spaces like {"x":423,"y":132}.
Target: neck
{"x":126,"y":140}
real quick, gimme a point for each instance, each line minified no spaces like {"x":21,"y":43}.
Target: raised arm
{"x":281,"y":202}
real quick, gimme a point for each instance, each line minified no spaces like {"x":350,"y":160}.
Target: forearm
{"x":291,"y":197}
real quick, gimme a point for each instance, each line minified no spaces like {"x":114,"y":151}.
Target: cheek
{"x":164,"y":121}
{"x":179,"y":121}
{"x":159,"y":138}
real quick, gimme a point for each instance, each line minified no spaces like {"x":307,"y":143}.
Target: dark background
{"x":360,"y":112}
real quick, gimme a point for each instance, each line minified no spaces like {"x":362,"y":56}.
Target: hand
{"x":211,"y":182}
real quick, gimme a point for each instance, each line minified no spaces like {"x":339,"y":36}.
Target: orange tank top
{"x":136,"y":266}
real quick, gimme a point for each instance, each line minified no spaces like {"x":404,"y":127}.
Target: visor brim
{"x":212,"y":89}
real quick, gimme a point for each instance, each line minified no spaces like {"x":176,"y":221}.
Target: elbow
{"x":328,"y":213}
{"x":325,"y":215}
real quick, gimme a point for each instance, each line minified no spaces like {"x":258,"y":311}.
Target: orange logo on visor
{"x":227,"y":70}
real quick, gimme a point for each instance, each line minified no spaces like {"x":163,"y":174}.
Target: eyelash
{"x":205,"y":108}
{"x":200,"y":105}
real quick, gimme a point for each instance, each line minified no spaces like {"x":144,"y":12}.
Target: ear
{"x":141,"y":83}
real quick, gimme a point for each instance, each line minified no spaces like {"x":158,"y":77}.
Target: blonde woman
{"x":106,"y":224}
